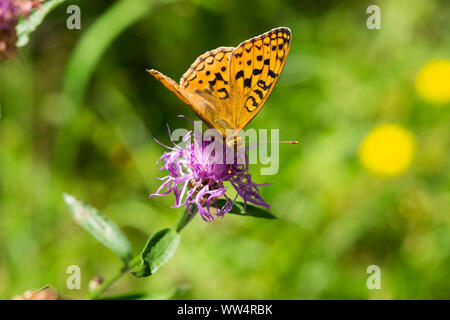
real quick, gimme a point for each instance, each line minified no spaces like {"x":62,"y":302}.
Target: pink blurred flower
{"x":10,"y":11}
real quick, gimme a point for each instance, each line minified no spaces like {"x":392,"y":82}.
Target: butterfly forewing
{"x":255,"y":67}
{"x":169,"y":84}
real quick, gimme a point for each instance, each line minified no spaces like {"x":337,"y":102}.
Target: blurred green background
{"x":79,"y":114}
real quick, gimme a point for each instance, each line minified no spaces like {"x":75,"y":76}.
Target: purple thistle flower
{"x":197,"y":178}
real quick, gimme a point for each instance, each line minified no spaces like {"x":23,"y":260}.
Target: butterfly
{"x":227,"y":87}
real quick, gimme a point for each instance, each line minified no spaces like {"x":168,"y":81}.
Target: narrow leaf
{"x":28,"y":24}
{"x":158,"y":250}
{"x":249,"y":211}
{"x":100,"y":227}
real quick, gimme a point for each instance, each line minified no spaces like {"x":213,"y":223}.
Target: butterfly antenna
{"x":284,"y":142}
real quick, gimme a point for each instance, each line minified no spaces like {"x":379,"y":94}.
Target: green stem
{"x":105,"y":285}
{"x":186,"y":217}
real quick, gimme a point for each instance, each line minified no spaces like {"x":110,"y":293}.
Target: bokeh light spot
{"x":433,"y":81}
{"x":387,"y":150}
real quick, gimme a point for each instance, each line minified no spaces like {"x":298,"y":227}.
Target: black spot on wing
{"x":272,"y":74}
{"x":257,"y":71}
{"x":239,"y":74}
{"x":262,"y":85}
{"x":219,"y":77}
{"x":259,"y":93}
{"x":248,"y":82}
{"x":254,"y":103}
{"x":225,"y":92}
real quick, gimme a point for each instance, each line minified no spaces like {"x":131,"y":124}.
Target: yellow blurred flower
{"x":433,"y":81}
{"x":387,"y":150}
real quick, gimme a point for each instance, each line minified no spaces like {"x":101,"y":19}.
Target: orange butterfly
{"x":227,"y":87}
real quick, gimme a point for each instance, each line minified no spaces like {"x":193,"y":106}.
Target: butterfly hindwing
{"x":210,"y":73}
{"x":208,"y":77}
{"x":255,"y":67}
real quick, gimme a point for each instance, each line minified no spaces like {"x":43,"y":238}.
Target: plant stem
{"x":105,"y":285}
{"x":186,"y":217}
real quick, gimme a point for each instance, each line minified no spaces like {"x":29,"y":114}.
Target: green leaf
{"x":28,"y":24}
{"x":251,"y":211}
{"x":100,"y":227}
{"x":158,"y":250}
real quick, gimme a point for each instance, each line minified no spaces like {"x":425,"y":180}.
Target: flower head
{"x":197,"y":176}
